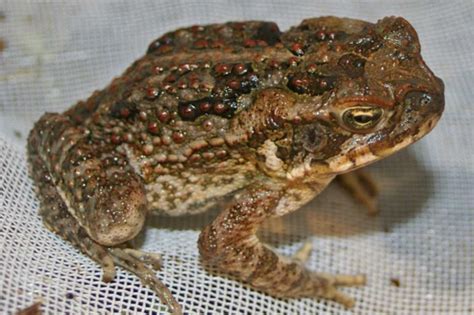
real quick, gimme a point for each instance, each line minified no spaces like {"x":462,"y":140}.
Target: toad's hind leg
{"x":230,"y":244}
{"x":362,"y":187}
{"x":100,"y":189}
{"x":57,"y":219}
{"x":91,"y":197}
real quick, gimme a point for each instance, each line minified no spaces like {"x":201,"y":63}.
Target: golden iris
{"x":362,"y":117}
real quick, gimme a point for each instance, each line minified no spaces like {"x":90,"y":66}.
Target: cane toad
{"x":238,"y":109}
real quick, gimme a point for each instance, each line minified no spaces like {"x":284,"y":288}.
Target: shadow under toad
{"x":404,"y":183}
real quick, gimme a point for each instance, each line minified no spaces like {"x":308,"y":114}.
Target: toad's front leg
{"x":230,"y":244}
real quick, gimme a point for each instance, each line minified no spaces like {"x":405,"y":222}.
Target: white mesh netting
{"x":418,"y":253}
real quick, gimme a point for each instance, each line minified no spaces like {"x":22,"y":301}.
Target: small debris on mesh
{"x":69,"y":295}
{"x":3,"y":44}
{"x":31,"y":310}
{"x":395,"y":282}
{"x":17,"y":134}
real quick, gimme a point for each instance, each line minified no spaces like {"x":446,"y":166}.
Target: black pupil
{"x":362,"y":119}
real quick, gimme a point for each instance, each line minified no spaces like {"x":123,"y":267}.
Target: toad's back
{"x":174,"y":111}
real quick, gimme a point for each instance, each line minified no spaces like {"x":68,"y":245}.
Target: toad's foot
{"x":304,"y":252}
{"x":230,"y":244}
{"x":135,"y":264}
{"x":333,"y":281}
{"x":362,"y":187}
{"x":151,"y":259}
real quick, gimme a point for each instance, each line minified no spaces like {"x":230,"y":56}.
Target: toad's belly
{"x":193,"y":192}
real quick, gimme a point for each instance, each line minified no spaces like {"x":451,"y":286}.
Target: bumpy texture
{"x":416,"y":252}
{"x":210,"y":110}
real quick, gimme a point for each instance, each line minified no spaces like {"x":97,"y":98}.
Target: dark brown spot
{"x":220,"y":108}
{"x":161,"y":45}
{"x":269,"y":33}
{"x":163,"y":116}
{"x":313,"y":84}
{"x":205,"y":106}
{"x":239,"y":69}
{"x":293,"y":61}
{"x":233,"y":84}
{"x":123,"y":109}
{"x":115,"y":139}
{"x":171,"y":78}
{"x":188,"y":111}
{"x":352,"y":64}
{"x":222,"y":69}
{"x":153,"y":127}
{"x":312,"y":68}
{"x":320,"y":35}
{"x":273,"y":64}
{"x":298,"y":84}
{"x":178,"y":137}
{"x":152,"y":92}
{"x":297,"y":49}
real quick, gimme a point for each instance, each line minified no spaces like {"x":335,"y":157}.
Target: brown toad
{"x":236,"y":108}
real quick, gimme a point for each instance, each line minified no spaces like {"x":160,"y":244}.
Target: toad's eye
{"x":361,"y":117}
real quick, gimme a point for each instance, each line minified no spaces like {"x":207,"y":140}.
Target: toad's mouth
{"x":371,"y":152}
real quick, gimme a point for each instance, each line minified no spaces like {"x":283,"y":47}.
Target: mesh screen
{"x":418,"y":253}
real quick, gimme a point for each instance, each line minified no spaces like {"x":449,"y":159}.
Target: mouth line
{"x":364,"y":155}
{"x":423,"y":130}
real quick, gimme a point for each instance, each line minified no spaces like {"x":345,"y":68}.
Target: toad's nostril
{"x":420,"y":100}
{"x":423,"y":104}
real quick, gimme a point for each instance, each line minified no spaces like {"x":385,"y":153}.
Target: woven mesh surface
{"x":423,"y":239}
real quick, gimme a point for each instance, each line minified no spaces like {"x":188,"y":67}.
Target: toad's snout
{"x":420,"y":106}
